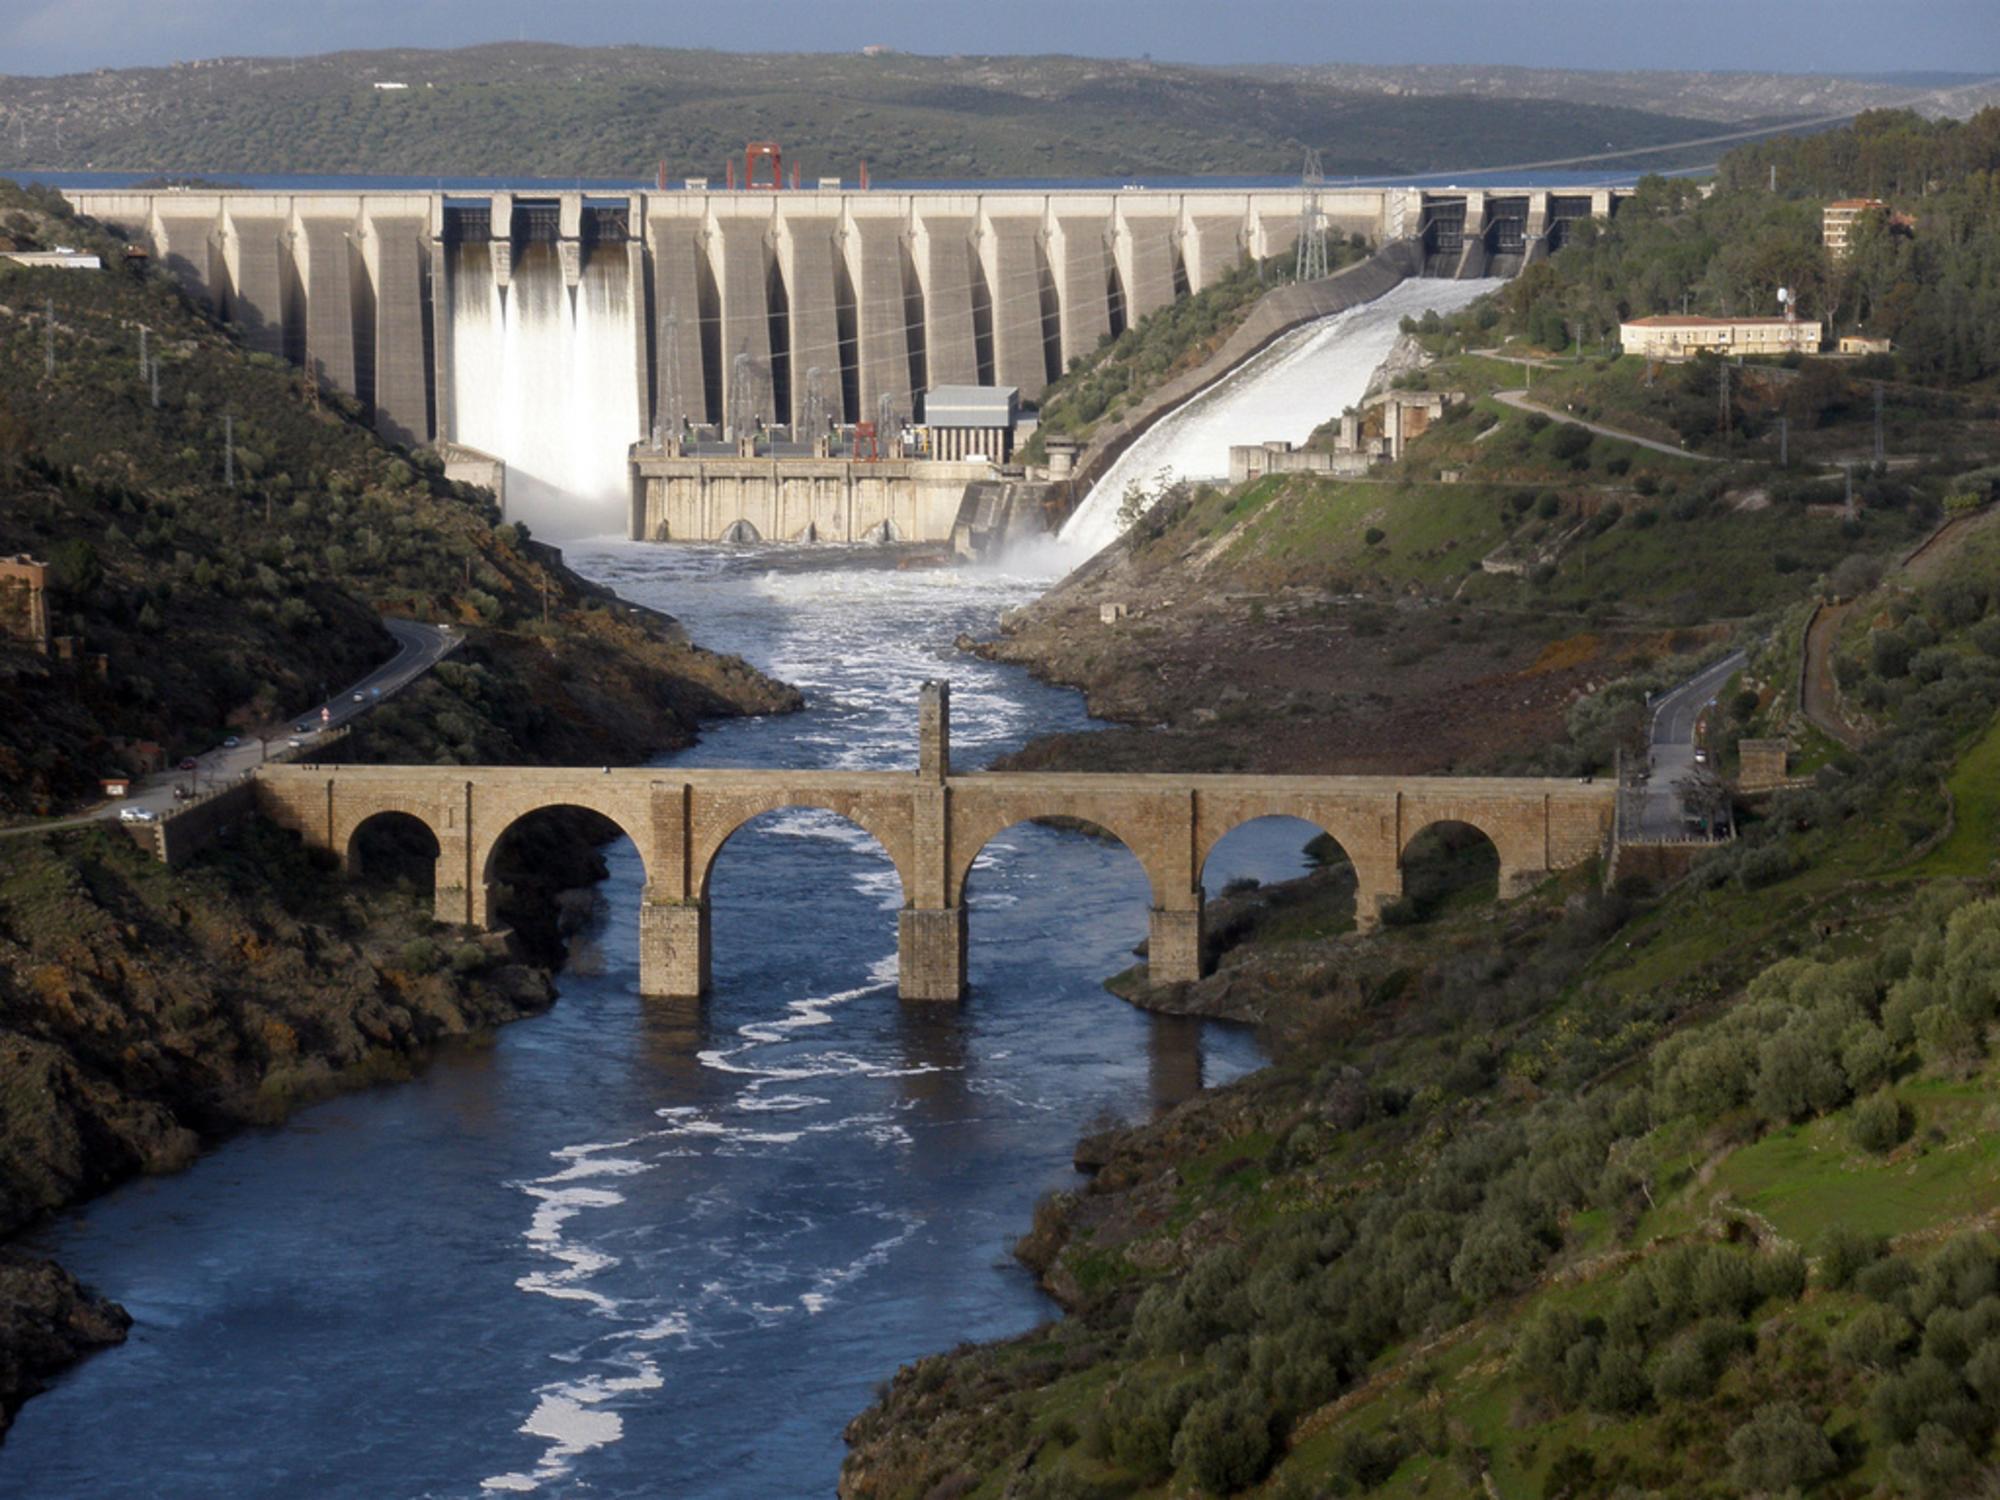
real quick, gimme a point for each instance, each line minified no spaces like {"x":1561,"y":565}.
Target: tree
{"x":1780,"y":1448}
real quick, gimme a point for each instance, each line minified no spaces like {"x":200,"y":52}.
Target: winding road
{"x":418,"y":649}
{"x":1518,"y":399}
{"x":1671,"y":758}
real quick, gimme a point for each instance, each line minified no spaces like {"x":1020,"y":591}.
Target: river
{"x":652,"y":1248}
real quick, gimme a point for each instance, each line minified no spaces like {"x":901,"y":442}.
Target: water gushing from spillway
{"x":1304,"y":378}
{"x":546,"y":377}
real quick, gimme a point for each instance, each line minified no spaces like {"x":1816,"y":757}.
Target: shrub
{"x":1845,"y":1253}
{"x":1373,"y":536}
{"x":1570,"y":441}
{"x":1926,"y":1391}
{"x":1889,"y":654}
{"x":1874,"y":1338}
{"x":1880,"y":1122}
{"x":421,"y":956}
{"x":1223,"y":1443}
{"x":1779,"y":1448}
{"x":1620,"y":1384}
{"x":1780,"y":1275}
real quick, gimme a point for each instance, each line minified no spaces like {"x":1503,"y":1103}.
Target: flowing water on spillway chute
{"x":1304,"y":378}
{"x":546,"y":376}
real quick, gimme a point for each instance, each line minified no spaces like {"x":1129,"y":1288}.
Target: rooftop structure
{"x":972,"y":419}
{"x":1680,"y":336}
{"x":1837,"y":221}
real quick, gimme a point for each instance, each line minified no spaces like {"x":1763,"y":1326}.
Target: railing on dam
{"x":932,"y":825}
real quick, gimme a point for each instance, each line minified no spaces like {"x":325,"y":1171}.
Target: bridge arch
{"x":1519,"y":836}
{"x":1296,"y":835}
{"x":972,"y":832}
{"x":720,"y":821}
{"x":1101,"y":869}
{"x":375,"y":818}
{"x":1448,"y":857}
{"x":847,"y":819}
{"x":490,"y":840}
{"x":393,"y":836}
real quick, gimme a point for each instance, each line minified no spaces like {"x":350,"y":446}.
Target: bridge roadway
{"x":932,"y":825}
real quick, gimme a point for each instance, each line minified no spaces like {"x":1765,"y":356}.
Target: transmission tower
{"x":1311,"y":260}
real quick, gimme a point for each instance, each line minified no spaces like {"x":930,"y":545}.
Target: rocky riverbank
{"x":145,"y":1014}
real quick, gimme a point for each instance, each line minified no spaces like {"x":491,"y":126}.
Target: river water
{"x":651,"y":1248}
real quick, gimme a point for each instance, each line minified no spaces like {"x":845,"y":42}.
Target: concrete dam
{"x":556,"y":331}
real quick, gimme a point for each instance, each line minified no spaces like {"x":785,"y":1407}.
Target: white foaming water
{"x":1309,"y":375}
{"x":547,"y":378}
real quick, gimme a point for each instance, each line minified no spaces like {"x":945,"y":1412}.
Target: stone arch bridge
{"x":932,"y":825}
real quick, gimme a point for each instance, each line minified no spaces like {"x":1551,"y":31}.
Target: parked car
{"x":188,"y":764}
{"x":137,"y":815}
{"x":360,"y":697}
{"x":231,"y":743}
{"x":295,"y":743}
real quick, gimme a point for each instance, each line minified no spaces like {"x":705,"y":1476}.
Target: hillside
{"x":1617,"y":1188}
{"x":549,"y":111}
{"x":145,"y":1013}
{"x":1678,"y":1193}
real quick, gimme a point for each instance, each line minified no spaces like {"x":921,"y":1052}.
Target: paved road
{"x":1671,"y":749}
{"x":1520,"y":402}
{"x":418,"y":649}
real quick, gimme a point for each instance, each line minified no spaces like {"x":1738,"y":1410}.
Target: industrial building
{"x":1682,"y":336}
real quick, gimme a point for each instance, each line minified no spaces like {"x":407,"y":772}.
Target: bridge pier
{"x":930,"y":953}
{"x":1173,"y":944}
{"x":673,"y":948}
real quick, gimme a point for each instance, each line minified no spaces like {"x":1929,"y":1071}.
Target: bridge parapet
{"x":932,"y":825}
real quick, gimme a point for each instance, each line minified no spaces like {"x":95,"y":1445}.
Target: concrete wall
{"x":797,"y":499}
{"x":932,"y":827}
{"x":931,"y":288}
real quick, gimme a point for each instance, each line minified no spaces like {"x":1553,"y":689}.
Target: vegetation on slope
{"x":1933,"y":286}
{"x":1675,"y":1194}
{"x":1629,"y":1191}
{"x":549,"y":111}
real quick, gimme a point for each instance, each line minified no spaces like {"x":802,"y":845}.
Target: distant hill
{"x":535,"y":109}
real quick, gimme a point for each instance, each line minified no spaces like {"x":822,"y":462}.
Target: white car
{"x":137,"y":815}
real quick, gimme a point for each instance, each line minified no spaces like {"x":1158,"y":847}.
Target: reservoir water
{"x":651,"y":1248}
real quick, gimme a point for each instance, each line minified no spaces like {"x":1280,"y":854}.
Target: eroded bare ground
{"x":1299,"y":680}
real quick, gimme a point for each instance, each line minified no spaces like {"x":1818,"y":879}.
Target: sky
{"x":1792,"y":36}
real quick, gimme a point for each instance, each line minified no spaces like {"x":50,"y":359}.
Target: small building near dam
{"x":732,"y":498}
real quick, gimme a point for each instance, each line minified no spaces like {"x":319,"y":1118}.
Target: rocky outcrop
{"x":47,"y":1321}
